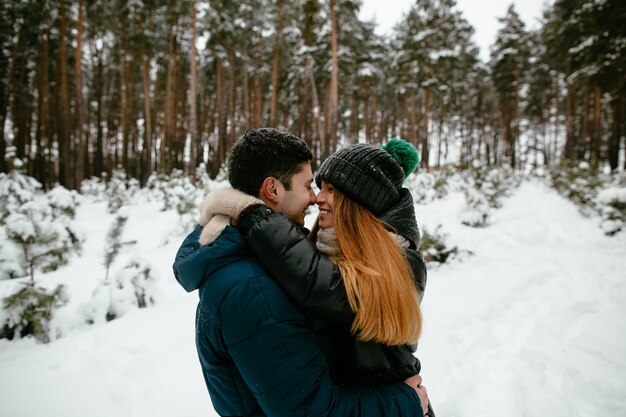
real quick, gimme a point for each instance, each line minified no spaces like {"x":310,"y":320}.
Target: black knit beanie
{"x":370,"y":175}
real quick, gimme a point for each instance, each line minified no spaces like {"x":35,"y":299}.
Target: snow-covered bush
{"x":93,"y":187}
{"x":114,"y":242}
{"x":134,"y":286}
{"x":484,"y":188}
{"x":11,"y":266}
{"x":203,"y":181}
{"x":427,"y":187}
{"x":178,"y":192}
{"x":63,"y":202}
{"x":494,"y":183}
{"x":612,"y":205}
{"x":477,"y":210}
{"x":157,"y":186}
{"x":43,"y":241}
{"x":16,"y":190}
{"x":182,"y":195}
{"x":578,"y":183}
{"x":594,"y":193}
{"x":30,"y":311}
{"x":116,"y":190}
{"x":131,"y":287}
{"x":434,"y":248}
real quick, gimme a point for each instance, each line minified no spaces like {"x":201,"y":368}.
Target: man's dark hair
{"x":265,"y":152}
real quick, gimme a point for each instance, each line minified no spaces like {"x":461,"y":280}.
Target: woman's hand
{"x":415,"y":382}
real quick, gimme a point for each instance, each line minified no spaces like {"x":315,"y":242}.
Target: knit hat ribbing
{"x":367,"y":174}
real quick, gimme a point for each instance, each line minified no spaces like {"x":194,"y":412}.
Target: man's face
{"x":295,"y":202}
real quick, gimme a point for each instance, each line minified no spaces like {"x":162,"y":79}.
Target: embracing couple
{"x":299,"y":323}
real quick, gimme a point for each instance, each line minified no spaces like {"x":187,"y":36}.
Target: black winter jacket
{"x":315,"y":286}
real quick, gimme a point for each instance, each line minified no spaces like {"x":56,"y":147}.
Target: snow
{"x":613,"y":194}
{"x":584,"y":44}
{"x":530,"y":324}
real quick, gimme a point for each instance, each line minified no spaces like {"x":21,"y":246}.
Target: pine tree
{"x":509,"y":61}
{"x":114,"y":243}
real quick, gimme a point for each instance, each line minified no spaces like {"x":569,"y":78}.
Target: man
{"x":259,"y":355}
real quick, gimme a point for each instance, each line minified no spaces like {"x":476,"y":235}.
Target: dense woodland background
{"x":87,"y":86}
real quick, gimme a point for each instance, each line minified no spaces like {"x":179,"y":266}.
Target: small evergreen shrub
{"x":484,"y":188}
{"x":131,"y":287}
{"x":427,"y":187}
{"x":434,"y":248}
{"x":612,"y":205}
{"x":477,"y":210}
{"x":594,"y":193}
{"x":43,"y":241}
{"x":578,"y":183}
{"x":94,"y":187}
{"x":16,"y":190}
{"x":114,"y":243}
{"x":117,"y":190}
{"x":30,"y":311}
{"x":134,"y":286}
{"x":63,"y":202}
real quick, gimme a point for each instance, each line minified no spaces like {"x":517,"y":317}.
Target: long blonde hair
{"x":378,"y":279}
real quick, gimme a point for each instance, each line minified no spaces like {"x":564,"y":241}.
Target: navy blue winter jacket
{"x":258,"y":354}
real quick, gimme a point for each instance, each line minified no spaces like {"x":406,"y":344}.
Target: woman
{"x":360,"y":271}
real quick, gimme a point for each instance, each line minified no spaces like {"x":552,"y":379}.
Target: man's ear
{"x":270,"y":190}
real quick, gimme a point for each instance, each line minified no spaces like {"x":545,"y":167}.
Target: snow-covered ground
{"x":531,"y":324}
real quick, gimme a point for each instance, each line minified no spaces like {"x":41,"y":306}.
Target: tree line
{"x":87,"y":86}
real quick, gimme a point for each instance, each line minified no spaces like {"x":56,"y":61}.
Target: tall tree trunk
{"x":317,"y":116}
{"x":125,"y":87}
{"x":597,"y":126}
{"x":366,"y":111}
{"x":516,"y":120}
{"x":425,"y":117}
{"x":404,"y":120}
{"x":232,"y":101}
{"x":19,"y":93}
{"x":414,"y":121}
{"x":193,"y":119}
{"x":42,"y":125}
{"x":246,"y":92}
{"x":571,"y":140}
{"x":276,"y":62}
{"x":169,"y":139}
{"x":98,"y":161}
{"x":585,"y":146}
{"x":617,"y":132}
{"x":374,"y":116}
{"x":333,"y":102}
{"x":65,"y":166}
{"x":222,"y":144}
{"x":147,"y":115}
{"x":81,"y":148}
{"x":6,"y":33}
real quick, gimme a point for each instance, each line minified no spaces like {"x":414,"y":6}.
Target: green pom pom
{"x":404,"y":153}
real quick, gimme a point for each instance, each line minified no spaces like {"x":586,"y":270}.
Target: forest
{"x":91,"y":86}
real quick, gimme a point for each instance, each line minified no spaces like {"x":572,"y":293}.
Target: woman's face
{"x":325,"y":202}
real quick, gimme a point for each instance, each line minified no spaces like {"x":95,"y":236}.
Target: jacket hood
{"x":402,"y":218}
{"x":195,"y":263}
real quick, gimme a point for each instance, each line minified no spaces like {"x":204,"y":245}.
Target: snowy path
{"x":532,"y":324}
